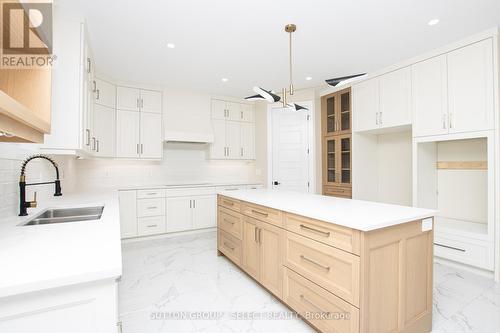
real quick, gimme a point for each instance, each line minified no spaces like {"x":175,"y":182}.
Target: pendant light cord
{"x":290,"y":58}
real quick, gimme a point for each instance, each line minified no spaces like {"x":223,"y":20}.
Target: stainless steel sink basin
{"x":62,"y":215}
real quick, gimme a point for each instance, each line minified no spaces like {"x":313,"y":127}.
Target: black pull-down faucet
{"x":23,"y":204}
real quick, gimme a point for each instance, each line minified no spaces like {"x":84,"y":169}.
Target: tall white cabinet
{"x":139,"y":123}
{"x":233,"y":125}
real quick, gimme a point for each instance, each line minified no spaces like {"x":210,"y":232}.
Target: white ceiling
{"x":244,"y":40}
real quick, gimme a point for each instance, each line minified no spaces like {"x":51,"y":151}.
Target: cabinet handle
{"x":376,"y":118}
{"x":93,"y":143}
{"x":326,"y":268}
{"x":241,"y":112}
{"x":89,"y":64}
{"x":95,"y":86}
{"x":229,"y":246}
{"x":255,"y":234}
{"x":142,"y":103}
{"x":137,"y":149}
{"x":151,"y":193}
{"x":88,"y":137}
{"x":380,"y":118}
{"x":97,"y":145}
{"x":194,"y":203}
{"x":451,"y":120}
{"x":190,"y":204}
{"x":450,"y":247}
{"x":138,"y":103}
{"x":260,"y":213}
{"x":241,"y":152}
{"x":98,"y":94}
{"x":260,"y":235}
{"x":305,"y":300}
{"x":443,"y":119}
{"x":323,"y":233}
{"x":228,"y":203}
{"x":226,"y":220}
{"x":152,"y":225}
{"x":142,"y":149}
{"x":152,"y":207}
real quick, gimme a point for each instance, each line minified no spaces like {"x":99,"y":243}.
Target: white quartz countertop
{"x":47,"y":256}
{"x":355,"y":214}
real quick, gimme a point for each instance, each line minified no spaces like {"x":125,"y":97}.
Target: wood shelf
{"x":462,"y":165}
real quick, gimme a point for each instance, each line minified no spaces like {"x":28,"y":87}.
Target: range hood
{"x":189,"y":137}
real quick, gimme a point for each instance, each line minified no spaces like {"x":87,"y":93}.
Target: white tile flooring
{"x":184,"y":276}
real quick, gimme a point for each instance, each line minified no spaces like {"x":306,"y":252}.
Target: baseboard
{"x":168,"y":235}
{"x":475,"y":270}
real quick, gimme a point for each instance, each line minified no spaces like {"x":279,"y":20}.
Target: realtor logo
{"x":26,"y":34}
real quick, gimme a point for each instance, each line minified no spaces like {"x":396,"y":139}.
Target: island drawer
{"x":150,"y":207}
{"x":150,"y":225}
{"x":230,"y":246}
{"x":262,"y":213}
{"x":325,"y":311}
{"x":335,"y":270}
{"x":330,"y":234}
{"x":230,"y":221}
{"x":153,"y":193}
{"x":228,"y":203}
{"x":337,"y":191}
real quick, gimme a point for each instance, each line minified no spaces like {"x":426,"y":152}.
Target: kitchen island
{"x":343,"y":265}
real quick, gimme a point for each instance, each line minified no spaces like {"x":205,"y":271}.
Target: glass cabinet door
{"x":331,"y":116}
{"x":345,"y":111}
{"x":331,"y":160}
{"x":345,"y":160}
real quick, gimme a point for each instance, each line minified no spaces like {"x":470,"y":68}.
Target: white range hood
{"x":190,"y":137}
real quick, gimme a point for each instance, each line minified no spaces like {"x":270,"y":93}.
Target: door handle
{"x":276,"y":183}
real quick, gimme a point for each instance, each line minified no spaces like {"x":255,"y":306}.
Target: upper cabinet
{"x":336,"y":113}
{"x":383,"y":102}
{"x":105,"y":93}
{"x":454,"y":92}
{"x":234,"y":131}
{"x":128,"y":98}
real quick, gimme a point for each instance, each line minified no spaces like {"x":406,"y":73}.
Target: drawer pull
{"x":326,"y":268}
{"x":226,"y":220}
{"x":151,"y":193}
{"x":152,"y":225}
{"x":229,"y":246}
{"x":152,"y":207}
{"x":305,"y":300}
{"x":322,"y":233}
{"x":450,"y":247}
{"x":336,"y":190}
{"x":228,"y":203}
{"x":260,"y":213}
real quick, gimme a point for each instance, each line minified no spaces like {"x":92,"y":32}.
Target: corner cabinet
{"x":337,"y":144}
{"x":233,"y":125}
{"x":139,"y":123}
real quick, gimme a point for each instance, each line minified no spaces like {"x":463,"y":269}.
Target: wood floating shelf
{"x":463,"y":165}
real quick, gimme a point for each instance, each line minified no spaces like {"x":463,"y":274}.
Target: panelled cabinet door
{"x":429,"y":97}
{"x":204,"y":211}
{"x":179,"y":214}
{"x":128,"y":213}
{"x":270,"y":239}
{"x":233,"y":139}
{"x":127,"y":134}
{"x":330,"y":165}
{"x":247,"y":149}
{"x":219,"y":110}
{"x":218,"y":149}
{"x":127,"y":98}
{"x":105,"y":93}
{"x":329,"y":109}
{"x":151,"y":142}
{"x":104,"y":130}
{"x":395,"y":98}
{"x":344,"y":159}
{"x":251,"y":248}
{"x":344,"y":112}
{"x":470,"y":87}
{"x":233,"y":111}
{"x":365,"y":105}
{"x":247,"y":113}
{"x":151,"y":101}
{"x":88,"y":117}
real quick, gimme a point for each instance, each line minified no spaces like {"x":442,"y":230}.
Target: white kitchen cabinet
{"x":470,"y":88}
{"x":151,"y":143}
{"x":128,"y":213}
{"x":150,"y":101}
{"x":233,"y":111}
{"x":219,"y":110}
{"x":152,"y":225}
{"x":104,"y":119}
{"x":395,"y":98}
{"x":218,"y":148}
{"x":105,"y":93}
{"x":204,"y":211}
{"x":366,"y":105}
{"x":127,"y":134}
{"x":247,"y":141}
{"x":247,"y":113}
{"x":179,"y":214}
{"x":230,"y":111}
{"x":430,"y":97}
{"x":233,"y":139}
{"x":128,"y":98}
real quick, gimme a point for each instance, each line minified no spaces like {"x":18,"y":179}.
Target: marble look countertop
{"x":355,"y":214}
{"x":40,"y":257}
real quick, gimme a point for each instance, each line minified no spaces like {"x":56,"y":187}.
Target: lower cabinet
{"x":187,"y":213}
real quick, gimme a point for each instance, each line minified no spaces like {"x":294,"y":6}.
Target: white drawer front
{"x":150,"y":207}
{"x":477,"y":255}
{"x":153,"y":193}
{"x":151,"y":225}
{"x":187,"y":192}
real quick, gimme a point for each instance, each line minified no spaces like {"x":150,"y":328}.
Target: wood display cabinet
{"x":337,"y":143}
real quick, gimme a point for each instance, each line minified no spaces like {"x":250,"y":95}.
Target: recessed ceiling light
{"x":433,"y":22}
{"x":224,"y":79}
{"x":309,"y":78}
{"x":171,"y":45}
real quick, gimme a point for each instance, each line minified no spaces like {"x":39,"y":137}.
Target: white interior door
{"x":290,"y":150}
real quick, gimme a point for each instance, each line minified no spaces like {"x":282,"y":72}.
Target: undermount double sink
{"x":62,"y":215}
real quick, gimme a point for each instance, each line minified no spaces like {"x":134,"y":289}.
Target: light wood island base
{"x":337,"y":278}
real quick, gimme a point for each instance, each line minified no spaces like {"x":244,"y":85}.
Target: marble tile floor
{"x":180,"y":285}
